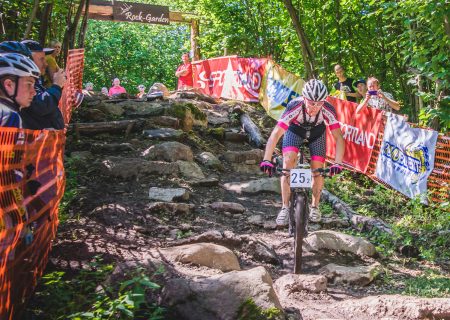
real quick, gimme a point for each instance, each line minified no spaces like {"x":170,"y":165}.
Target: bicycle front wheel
{"x":300,"y":215}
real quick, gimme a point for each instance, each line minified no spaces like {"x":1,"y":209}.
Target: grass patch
{"x":85,"y":296}
{"x":414,"y":224}
{"x":430,"y":285}
{"x":248,"y":310}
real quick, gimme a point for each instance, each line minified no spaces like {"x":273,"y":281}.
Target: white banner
{"x":406,"y":157}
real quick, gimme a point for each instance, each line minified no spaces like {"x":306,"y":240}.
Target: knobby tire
{"x":300,"y":215}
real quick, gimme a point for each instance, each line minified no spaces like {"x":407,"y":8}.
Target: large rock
{"x":204,"y":254}
{"x":255,"y":186}
{"x":145,"y":109}
{"x":332,"y":240}
{"x":171,"y":207}
{"x":169,"y":151}
{"x":360,"y":275}
{"x":209,"y":160}
{"x":133,"y":167}
{"x":163,"y":134}
{"x":291,"y":283}
{"x":168,"y":194}
{"x":395,"y":307}
{"x":111,"y":109}
{"x":220,"y":297}
{"x":111,"y":147}
{"x":231,"y":207}
{"x":190,"y":170}
{"x":255,"y":155}
{"x":244,"y":168}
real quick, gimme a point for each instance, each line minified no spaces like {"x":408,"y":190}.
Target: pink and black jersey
{"x":295,"y":114}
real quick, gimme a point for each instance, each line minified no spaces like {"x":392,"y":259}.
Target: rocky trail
{"x":178,"y":185}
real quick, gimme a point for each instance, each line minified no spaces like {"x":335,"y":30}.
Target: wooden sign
{"x":139,"y":12}
{"x":126,"y":11}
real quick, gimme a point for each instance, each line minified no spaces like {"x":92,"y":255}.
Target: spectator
{"x":116,"y":88}
{"x":345,"y":84}
{"x":361,"y":87}
{"x":141,"y":92}
{"x":184,"y":73}
{"x":105,"y":91}
{"x":44,"y":112}
{"x":18,"y":74}
{"x":89,"y":86}
{"x":376,"y":98}
{"x":52,"y":65}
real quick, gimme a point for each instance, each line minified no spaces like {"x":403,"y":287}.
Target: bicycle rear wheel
{"x":301,"y":208}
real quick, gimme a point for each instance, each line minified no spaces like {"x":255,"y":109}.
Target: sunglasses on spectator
{"x":314,"y":104}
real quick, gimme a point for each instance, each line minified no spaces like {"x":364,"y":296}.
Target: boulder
{"x":209,"y":160}
{"x":244,"y":168}
{"x":243,"y":156}
{"x":133,"y":167}
{"x":93,"y":115}
{"x":400,"y":307}
{"x":360,"y":275}
{"x":145,"y":109}
{"x":169,"y":151}
{"x":111,"y":147}
{"x":162,"y":121}
{"x":168,"y":194}
{"x":255,"y":186}
{"x":235,"y":136}
{"x":172,"y":207}
{"x":203,"y":254}
{"x":163,"y":134}
{"x":111,"y":109}
{"x":332,"y":240}
{"x":190,"y":170}
{"x":256,"y":220}
{"x":291,"y":283}
{"x":231,"y":207}
{"x":207,"y":182}
{"x":221,"y":297}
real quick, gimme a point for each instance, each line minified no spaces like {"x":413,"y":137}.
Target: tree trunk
{"x":74,"y":25}
{"x":31,"y":20}
{"x":307,"y":53}
{"x":45,"y":21}
{"x":83,"y":29}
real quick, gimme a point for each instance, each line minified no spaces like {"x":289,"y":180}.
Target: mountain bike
{"x":300,"y":179}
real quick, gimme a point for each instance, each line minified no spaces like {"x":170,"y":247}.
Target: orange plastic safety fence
{"x":31,"y":186}
{"x":74,"y":83}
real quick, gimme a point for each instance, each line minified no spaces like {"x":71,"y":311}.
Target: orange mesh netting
{"x":31,"y":186}
{"x":74,"y":83}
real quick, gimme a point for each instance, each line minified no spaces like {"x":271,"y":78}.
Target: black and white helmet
{"x":18,"y":65}
{"x":315,"y":90}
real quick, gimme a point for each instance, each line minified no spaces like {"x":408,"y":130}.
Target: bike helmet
{"x":15,"y":47}
{"x":315,"y":90}
{"x":16,"y":65}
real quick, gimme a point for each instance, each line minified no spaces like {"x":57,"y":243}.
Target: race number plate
{"x":301,"y":178}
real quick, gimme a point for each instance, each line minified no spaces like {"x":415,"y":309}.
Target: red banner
{"x":360,"y":133}
{"x":230,"y":77}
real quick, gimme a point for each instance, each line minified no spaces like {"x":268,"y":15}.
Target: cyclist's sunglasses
{"x":314,"y":104}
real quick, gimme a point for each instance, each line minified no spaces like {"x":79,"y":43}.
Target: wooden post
{"x":194,"y":36}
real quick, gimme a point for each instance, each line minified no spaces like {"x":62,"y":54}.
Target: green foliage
{"x":412,"y":223}
{"x":84,"y":296}
{"x":430,"y":285}
{"x":248,"y":310}
{"x":135,"y":53}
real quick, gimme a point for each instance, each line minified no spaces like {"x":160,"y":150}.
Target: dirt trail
{"x":112,"y":218}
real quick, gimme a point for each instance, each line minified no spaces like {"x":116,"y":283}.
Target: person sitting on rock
{"x":141,"y":92}
{"x":116,"y":89}
{"x":89,"y":86}
{"x":105,"y":91}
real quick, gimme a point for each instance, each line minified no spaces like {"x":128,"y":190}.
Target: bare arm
{"x":392,"y":103}
{"x":340,"y":145}
{"x":276,"y":134}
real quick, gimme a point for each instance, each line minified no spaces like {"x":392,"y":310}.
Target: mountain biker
{"x":18,"y":75}
{"x":304,"y":121}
